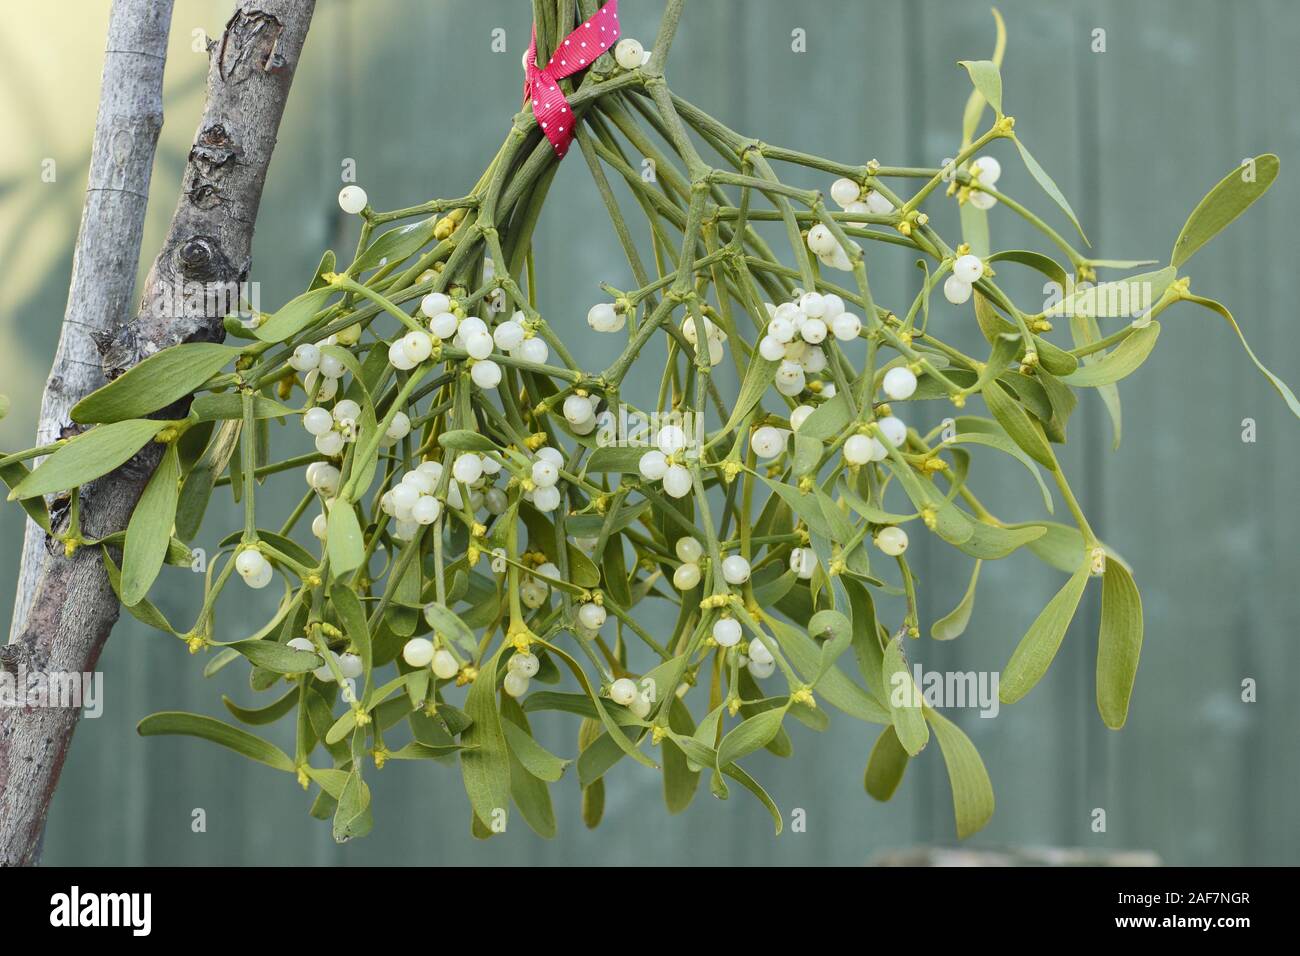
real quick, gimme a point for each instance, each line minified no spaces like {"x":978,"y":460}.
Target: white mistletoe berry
{"x":418,"y":652}
{"x":821,"y":241}
{"x":878,"y":205}
{"x":323,"y":478}
{"x":515,"y":684}
{"x":689,"y":550}
{"x":845,"y":191}
{"x":726,"y":631}
{"x":352,"y":199}
{"x":445,"y":324}
{"x":982,"y":200}
{"x":478,"y":343}
{"x":603,"y":317}
{"x":686,"y":576}
{"x":767,"y":442}
{"x":444,"y":664}
{"x":249,"y":562}
{"x":305,"y":357}
{"x":435,"y":303}
{"x":846,"y":326}
{"x":467,"y":467}
{"x":325,"y":673}
{"x":891,"y":540}
{"x":417,"y":346}
{"x":397,"y":357}
{"x":789,"y":378}
{"x":653,"y":465}
{"x":813,"y":305}
{"x":330,"y":444}
{"x":591,"y":616}
{"x":813,"y":331}
{"x":426,"y":510}
{"x":761,"y":671}
{"x":968,"y":268}
{"x":350,"y":665}
{"x":857,"y":449}
{"x":671,"y":439}
{"x":508,"y":335}
{"x":735,"y":569}
{"x":955,"y":290}
{"x":486,"y":374}
{"x":623,"y":691}
{"x":629,"y":53}
{"x":525,"y":663}
{"x":399,"y":427}
{"x":771,"y":348}
{"x":331,"y":366}
{"x":317,"y":420}
{"x":799,"y":415}
{"x":899,"y":383}
{"x":544,"y":473}
{"x":990,"y":170}
{"x":782,"y":327}
{"x":534,"y":350}
{"x":641,"y":705}
{"x":546,"y":499}
{"x":579,"y":409}
{"x":894,"y":430}
{"x":677,"y":482}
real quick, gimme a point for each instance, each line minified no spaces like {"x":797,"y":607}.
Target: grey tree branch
{"x":108,"y":242}
{"x":209,"y":242}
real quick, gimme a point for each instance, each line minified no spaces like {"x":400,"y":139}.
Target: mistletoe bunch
{"x":486,"y":514}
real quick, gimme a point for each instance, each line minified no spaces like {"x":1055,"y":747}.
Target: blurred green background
{"x":1134,"y":135}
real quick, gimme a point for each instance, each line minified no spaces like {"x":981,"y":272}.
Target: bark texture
{"x":209,"y":243}
{"x":108,"y":242}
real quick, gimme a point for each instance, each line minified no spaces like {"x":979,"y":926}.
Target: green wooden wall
{"x":411,"y":90}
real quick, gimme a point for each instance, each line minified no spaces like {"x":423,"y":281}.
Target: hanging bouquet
{"x":492,"y":525}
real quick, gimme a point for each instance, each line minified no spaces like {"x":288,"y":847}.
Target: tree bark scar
{"x":249,"y":43}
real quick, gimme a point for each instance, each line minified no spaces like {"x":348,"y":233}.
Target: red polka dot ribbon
{"x":576,"y":52}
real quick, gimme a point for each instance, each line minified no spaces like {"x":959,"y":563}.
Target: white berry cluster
{"x":580,"y":412}
{"x":638,"y":700}
{"x":414,"y":500}
{"x":848,"y":194}
{"x":534,"y":591}
{"x":254,"y":568}
{"x":606,"y":317}
{"x":663,"y":463}
{"x":544,"y":476}
{"x":420,"y":652}
{"x":333,"y":428}
{"x":348,"y":664}
{"x":689,"y":551}
{"x":758,"y":659}
{"x":966,"y":271}
{"x":716,"y":337}
{"x":321,"y":369}
{"x":794,"y":335}
{"x":985,"y":171}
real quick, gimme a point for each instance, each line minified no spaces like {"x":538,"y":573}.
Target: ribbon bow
{"x":576,"y":52}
